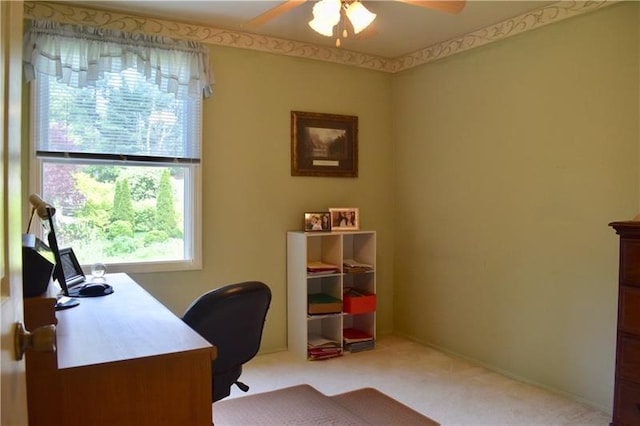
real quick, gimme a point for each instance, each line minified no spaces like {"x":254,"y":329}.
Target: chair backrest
{"x":231,"y":318}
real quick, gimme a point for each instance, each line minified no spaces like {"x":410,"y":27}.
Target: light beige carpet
{"x":450,"y":390}
{"x":304,"y":405}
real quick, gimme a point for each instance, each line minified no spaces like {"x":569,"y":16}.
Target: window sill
{"x":146,"y":267}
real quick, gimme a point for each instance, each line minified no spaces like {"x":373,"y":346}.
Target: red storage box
{"x":359,"y":302}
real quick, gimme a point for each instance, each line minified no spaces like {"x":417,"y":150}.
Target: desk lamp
{"x":45,"y":212}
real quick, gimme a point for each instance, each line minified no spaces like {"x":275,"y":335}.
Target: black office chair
{"x":231,"y":318}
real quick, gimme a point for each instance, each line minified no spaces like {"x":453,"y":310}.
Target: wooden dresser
{"x":122,"y":359}
{"x":626,"y":399}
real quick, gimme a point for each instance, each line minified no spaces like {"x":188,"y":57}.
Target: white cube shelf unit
{"x":330,"y":248}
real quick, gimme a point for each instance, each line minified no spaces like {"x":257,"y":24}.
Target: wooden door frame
{"x":13,"y":400}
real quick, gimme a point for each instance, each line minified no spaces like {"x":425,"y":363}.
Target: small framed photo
{"x":345,"y":219}
{"x":73,"y":273}
{"x":317,"y":222}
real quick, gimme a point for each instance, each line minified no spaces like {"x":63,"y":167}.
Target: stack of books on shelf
{"x":357,"y":340}
{"x":320,"y":268}
{"x":353,"y":267}
{"x":319,"y":347}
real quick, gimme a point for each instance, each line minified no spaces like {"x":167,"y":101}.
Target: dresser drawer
{"x":629,"y":310}
{"x":626,"y":410}
{"x":630,"y":262}
{"x":628,"y":358}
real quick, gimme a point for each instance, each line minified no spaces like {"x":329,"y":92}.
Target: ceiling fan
{"x":328,"y":13}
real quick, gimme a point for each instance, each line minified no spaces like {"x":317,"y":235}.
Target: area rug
{"x":305,"y":405}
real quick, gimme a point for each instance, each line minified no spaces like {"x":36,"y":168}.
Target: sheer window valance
{"x":79,"y":56}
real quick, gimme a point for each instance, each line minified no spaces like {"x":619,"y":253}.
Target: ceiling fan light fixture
{"x":321,"y":27}
{"x":359,"y":16}
{"x":326,"y":14}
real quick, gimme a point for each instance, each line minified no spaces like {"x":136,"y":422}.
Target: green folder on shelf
{"x":320,"y":303}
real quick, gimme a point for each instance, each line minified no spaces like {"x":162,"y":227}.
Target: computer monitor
{"x":37,"y":266}
{"x":65,"y":302}
{"x":58,"y":270}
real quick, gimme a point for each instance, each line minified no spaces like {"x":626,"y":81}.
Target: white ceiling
{"x":399,"y":28}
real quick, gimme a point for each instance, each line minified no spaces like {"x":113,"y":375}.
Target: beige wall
{"x":510,"y":161}
{"x":490,"y":177}
{"x":250,"y":198}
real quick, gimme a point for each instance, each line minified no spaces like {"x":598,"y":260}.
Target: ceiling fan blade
{"x":273,"y":13}
{"x":451,"y":6}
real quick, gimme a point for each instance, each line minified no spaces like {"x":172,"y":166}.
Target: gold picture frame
{"x":324,"y":144}
{"x":345,"y":219}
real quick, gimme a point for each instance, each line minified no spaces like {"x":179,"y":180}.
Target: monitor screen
{"x":42,"y":249}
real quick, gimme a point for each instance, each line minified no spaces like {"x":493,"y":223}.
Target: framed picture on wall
{"x":324,"y":144}
{"x":317,"y":222}
{"x":345,"y":219}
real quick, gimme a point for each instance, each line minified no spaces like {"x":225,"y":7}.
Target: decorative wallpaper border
{"x":555,"y":12}
{"x":237,"y":39}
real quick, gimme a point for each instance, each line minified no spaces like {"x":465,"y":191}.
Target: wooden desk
{"x":122,"y":359}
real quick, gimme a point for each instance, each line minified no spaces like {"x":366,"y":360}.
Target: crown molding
{"x":556,"y":12}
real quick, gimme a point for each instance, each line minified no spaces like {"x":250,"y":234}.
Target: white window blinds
{"x":122,"y":118}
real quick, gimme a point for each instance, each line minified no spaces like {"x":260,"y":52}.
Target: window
{"x":116,"y":122}
{"x":120,"y":162}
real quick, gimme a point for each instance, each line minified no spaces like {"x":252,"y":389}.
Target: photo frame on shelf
{"x":317,"y":222}
{"x":345,"y":219}
{"x":324,"y":144}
